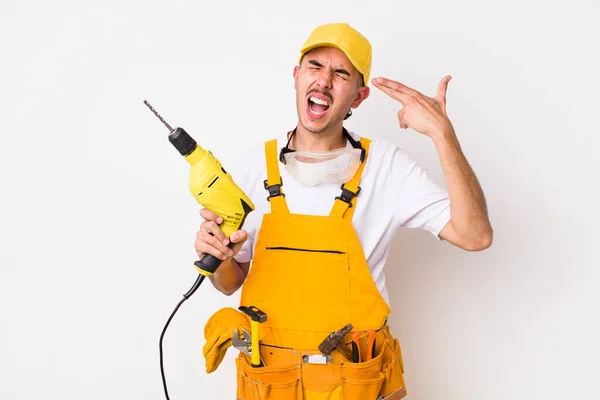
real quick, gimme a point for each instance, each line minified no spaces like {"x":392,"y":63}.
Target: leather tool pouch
{"x":287,"y":376}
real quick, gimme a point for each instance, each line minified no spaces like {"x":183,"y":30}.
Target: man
{"x":318,"y":243}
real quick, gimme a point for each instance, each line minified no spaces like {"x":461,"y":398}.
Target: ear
{"x":363,"y":93}
{"x":296,"y":69}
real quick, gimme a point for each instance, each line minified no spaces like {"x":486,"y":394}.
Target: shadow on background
{"x":432,"y":287}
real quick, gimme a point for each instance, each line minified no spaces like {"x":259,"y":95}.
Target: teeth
{"x":319,"y":101}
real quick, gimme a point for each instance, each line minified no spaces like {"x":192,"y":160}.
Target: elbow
{"x":228,"y":291}
{"x":473,"y":238}
{"x":483,"y":242}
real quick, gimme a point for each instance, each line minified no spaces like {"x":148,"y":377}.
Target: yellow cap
{"x":342,"y":36}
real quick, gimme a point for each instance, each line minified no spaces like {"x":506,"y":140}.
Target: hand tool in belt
{"x":243,"y":343}
{"x":334,"y":341}
{"x":356,"y":347}
{"x":256,"y":317}
{"x":371,"y":344}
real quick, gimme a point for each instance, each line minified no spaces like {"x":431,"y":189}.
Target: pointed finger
{"x":442,"y":89}
{"x":394,"y":94}
{"x":397,"y":86}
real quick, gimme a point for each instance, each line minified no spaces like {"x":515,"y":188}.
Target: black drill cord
{"x":162,"y":335}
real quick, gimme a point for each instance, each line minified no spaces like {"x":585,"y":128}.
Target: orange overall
{"x":310,"y":276}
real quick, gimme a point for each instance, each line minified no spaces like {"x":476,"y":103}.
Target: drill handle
{"x":208,"y":264}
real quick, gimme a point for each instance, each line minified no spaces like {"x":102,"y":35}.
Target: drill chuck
{"x":183,"y":142}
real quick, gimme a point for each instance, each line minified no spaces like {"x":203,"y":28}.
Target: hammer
{"x":256,"y":317}
{"x":333,"y":341}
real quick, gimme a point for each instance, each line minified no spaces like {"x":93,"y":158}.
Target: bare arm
{"x":230,"y":276}
{"x":469,"y":226}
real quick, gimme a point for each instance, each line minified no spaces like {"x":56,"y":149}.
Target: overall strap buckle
{"x":347,"y":195}
{"x":274,"y":190}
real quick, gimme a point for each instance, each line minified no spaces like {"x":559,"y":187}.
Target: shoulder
{"x":256,"y":149}
{"x":248,"y":164}
{"x":250,"y":167}
{"x":383,"y":153}
{"x":378,"y":146}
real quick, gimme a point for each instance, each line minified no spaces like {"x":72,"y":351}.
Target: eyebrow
{"x":338,"y":70}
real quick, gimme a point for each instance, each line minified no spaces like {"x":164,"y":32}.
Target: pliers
{"x":371,"y":344}
{"x":370,"y":350}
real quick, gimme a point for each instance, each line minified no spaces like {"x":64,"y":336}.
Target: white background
{"x":98,"y":225}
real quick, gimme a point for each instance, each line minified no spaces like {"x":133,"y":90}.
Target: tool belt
{"x":294,"y":374}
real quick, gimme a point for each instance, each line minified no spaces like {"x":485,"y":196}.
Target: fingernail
{"x":219,"y":220}
{"x":226,"y":242}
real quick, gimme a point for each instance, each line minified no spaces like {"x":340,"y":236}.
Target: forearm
{"x":468,"y":209}
{"x":228,"y":277}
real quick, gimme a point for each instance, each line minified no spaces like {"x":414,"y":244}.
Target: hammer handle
{"x":255,"y":349}
{"x":343,"y":351}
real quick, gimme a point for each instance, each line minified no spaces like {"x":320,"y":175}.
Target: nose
{"x":325,"y":78}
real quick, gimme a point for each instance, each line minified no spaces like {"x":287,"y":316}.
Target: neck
{"x":323,"y":141}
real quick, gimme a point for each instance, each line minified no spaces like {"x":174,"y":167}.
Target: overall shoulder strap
{"x":273,"y":182}
{"x":345,"y":203}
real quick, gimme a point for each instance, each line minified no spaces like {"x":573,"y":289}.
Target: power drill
{"x":215,"y":190}
{"x":212,"y":187}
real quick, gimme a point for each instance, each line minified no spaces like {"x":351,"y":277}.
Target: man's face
{"x":327,"y":86}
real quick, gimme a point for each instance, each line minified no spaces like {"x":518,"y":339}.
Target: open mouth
{"x":318,"y":106}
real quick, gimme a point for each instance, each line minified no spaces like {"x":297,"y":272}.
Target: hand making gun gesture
{"x":426,"y":115}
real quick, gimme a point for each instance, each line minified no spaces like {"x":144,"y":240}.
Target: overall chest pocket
{"x":311,"y":285}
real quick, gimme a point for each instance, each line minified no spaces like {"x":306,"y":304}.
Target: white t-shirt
{"x":395,"y":192}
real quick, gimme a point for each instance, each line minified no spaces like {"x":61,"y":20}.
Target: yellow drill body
{"x":213,"y":188}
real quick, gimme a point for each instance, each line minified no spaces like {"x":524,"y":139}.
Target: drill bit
{"x":159,"y":117}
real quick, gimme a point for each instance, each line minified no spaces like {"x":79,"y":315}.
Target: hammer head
{"x":254,"y":313}
{"x":334,"y":339}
